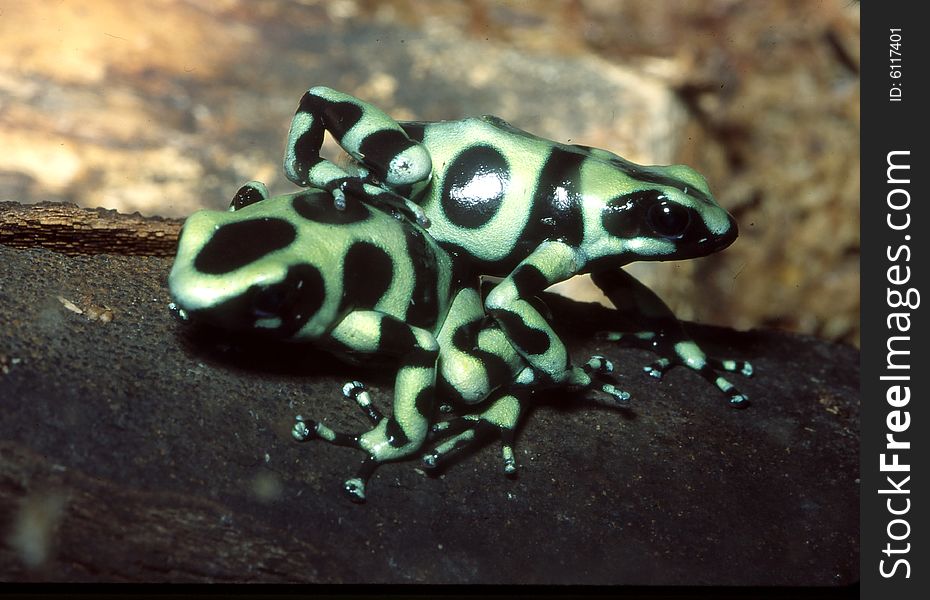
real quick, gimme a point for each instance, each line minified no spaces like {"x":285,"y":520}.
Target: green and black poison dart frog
{"x":506,"y":203}
{"x":361,"y":281}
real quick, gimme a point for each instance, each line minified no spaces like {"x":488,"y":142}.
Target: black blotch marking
{"x":236,"y":245}
{"x":526,"y":338}
{"x":528,"y":280}
{"x":340,"y":117}
{"x":421,"y":358}
{"x":295,"y":300}
{"x":474,"y":186}
{"x":446,"y":391}
{"x":465,"y":337}
{"x":337,"y":117}
{"x":498,"y":372}
{"x":307,"y":145}
{"x":318,"y":207}
{"x":307,"y":291}
{"x":307,"y":151}
{"x":415,"y":130}
{"x":378,"y":148}
{"x":395,"y":434}
{"x":424,"y":308}
{"x":556,"y":213}
{"x":367,"y":274}
{"x":246,"y":196}
{"x":424,"y":401}
{"x":396,"y":338}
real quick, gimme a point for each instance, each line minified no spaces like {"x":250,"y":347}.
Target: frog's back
{"x":360,"y":258}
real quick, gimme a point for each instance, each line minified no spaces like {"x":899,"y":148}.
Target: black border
{"x":889,"y":126}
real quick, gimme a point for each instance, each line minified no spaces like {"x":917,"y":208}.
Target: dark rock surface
{"x":130,"y":451}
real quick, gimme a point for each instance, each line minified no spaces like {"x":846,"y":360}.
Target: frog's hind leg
{"x":404,"y":431}
{"x":308,"y":429}
{"x":388,"y":163}
{"x":667,"y":338}
{"x":469,"y":431}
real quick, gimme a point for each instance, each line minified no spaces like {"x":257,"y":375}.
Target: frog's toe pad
{"x":354,"y":488}
{"x":599,"y":365}
{"x":739,"y":401}
{"x":658,"y":368}
{"x":742,"y":367}
{"x":430,"y":460}
{"x":620,"y":397}
{"x":303,"y":430}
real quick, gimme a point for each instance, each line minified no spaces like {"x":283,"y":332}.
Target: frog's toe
{"x":471,"y":431}
{"x":355,"y":390}
{"x":742,"y":367}
{"x":354,"y":489}
{"x":735,"y":398}
{"x":339,"y":199}
{"x":510,"y":461}
{"x":618,"y":397}
{"x":658,"y":368}
{"x":303,"y":430}
{"x":739,"y":401}
{"x":598,"y":365}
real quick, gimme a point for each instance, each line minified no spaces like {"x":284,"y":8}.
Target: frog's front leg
{"x":665,"y":336}
{"x":507,"y":404}
{"x":389,"y":162}
{"x":404,"y":431}
{"x":527,"y":329}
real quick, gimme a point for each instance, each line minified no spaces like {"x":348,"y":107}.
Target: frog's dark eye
{"x":668,"y":219}
{"x":269,"y":302}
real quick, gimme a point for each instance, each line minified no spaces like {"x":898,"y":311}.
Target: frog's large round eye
{"x":668,"y":219}
{"x":269,"y":302}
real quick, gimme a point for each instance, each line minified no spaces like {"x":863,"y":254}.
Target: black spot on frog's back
{"x":317,"y":206}
{"x":367,"y":274}
{"x":235,"y":245}
{"x":474,"y":186}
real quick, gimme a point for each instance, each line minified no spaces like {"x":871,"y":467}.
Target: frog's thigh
{"x":377,"y":333}
{"x":529,"y":331}
{"x":475,"y":356}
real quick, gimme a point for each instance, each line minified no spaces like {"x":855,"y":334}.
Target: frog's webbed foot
{"x":598,"y":372}
{"x":686,"y":353}
{"x":501,"y":416}
{"x":307,"y":429}
{"x":469,"y":431}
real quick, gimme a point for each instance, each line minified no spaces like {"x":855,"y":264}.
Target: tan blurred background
{"x":167,"y":106}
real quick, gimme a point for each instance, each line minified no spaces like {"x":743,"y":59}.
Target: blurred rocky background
{"x":167,"y":106}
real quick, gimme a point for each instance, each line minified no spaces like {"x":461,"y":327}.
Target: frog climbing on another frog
{"x":506,"y":203}
{"x":362,"y":281}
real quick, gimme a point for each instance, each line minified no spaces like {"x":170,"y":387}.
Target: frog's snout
{"x":729,"y":237}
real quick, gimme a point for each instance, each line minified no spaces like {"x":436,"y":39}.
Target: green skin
{"x":506,"y":203}
{"x":355,"y":282}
